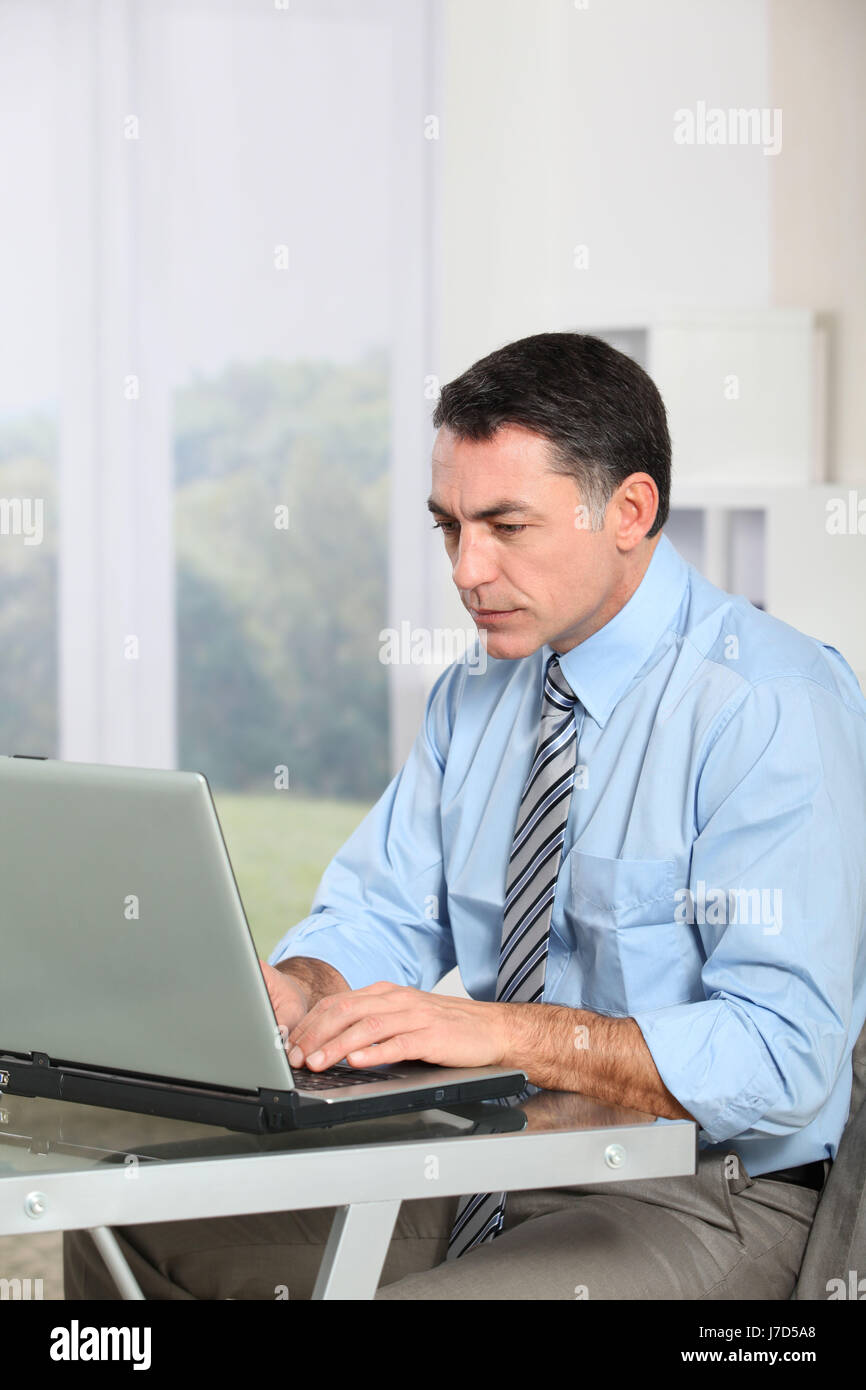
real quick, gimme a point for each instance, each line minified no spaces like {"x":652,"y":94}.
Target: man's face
{"x":528,"y":569}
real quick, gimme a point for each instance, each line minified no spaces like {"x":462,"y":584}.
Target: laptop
{"x":128,"y":974}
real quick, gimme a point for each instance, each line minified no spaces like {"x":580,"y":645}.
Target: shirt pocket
{"x":617,"y":924}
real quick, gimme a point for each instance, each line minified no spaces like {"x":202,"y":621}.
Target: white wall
{"x":818,"y":197}
{"x":557,"y":132}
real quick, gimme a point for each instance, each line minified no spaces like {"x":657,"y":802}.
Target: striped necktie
{"x":533,"y":868}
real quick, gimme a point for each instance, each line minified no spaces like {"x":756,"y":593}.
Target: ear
{"x":635,"y":505}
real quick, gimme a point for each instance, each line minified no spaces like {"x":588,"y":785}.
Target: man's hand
{"x":559,"y":1048}
{"x":395,"y":1023}
{"x":288,"y":997}
{"x":296,"y":984}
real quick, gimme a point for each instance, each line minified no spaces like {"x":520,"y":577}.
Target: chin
{"x":509,"y":647}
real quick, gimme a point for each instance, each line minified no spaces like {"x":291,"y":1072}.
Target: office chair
{"x":836,"y":1248}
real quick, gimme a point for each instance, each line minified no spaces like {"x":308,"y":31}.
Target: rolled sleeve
{"x":777,"y":812}
{"x":380,"y":911}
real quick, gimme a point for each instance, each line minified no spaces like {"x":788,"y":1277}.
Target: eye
{"x":511,"y":528}
{"x":447,"y":527}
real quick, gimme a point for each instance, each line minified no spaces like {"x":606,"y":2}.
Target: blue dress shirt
{"x":712,"y":884}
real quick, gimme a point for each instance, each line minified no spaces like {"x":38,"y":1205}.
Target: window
{"x":217,"y":264}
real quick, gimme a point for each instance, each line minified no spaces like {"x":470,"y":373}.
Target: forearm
{"x":563,"y":1049}
{"x":315,"y":977}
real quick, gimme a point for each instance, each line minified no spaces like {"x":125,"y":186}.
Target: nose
{"x":474,"y":565}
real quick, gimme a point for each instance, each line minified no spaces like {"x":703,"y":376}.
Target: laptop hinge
{"x":267,"y":1097}
{"x":275,"y":1105}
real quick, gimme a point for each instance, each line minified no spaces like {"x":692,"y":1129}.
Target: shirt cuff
{"x":714,"y":1062}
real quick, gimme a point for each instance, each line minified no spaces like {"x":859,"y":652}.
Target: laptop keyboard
{"x":339,"y":1076}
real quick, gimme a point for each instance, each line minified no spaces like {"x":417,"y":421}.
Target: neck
{"x":635,"y":568}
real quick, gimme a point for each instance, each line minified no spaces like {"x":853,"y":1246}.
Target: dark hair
{"x":600,"y":411}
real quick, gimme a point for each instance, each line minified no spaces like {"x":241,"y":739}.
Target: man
{"x":637,"y":830}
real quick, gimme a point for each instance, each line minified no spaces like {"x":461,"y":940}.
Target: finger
{"x":403,"y":1047}
{"x":362,"y":1032}
{"x":330,"y":1002}
{"x":382,"y":987}
{"x":330,"y":1017}
{"x":373,"y":1029}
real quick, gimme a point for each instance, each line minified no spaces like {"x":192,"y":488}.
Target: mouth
{"x":492,"y":617}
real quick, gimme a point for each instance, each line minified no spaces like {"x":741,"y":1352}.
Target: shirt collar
{"x":601,"y":668}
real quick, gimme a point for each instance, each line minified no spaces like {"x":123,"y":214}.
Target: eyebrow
{"x":506,"y":507}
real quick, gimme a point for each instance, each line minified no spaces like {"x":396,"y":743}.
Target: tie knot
{"x":558,"y":694}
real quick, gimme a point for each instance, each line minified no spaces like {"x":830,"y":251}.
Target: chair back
{"x":834,"y":1261}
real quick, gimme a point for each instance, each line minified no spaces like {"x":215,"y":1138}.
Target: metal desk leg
{"x":351,"y":1263}
{"x":356,"y":1250}
{"x":115,"y":1260}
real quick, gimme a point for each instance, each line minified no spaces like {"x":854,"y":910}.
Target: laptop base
{"x":257,"y":1112}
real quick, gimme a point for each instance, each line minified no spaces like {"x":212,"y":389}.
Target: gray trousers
{"x":708,"y":1236}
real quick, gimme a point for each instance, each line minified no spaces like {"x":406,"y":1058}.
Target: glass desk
{"x":69,"y":1167}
